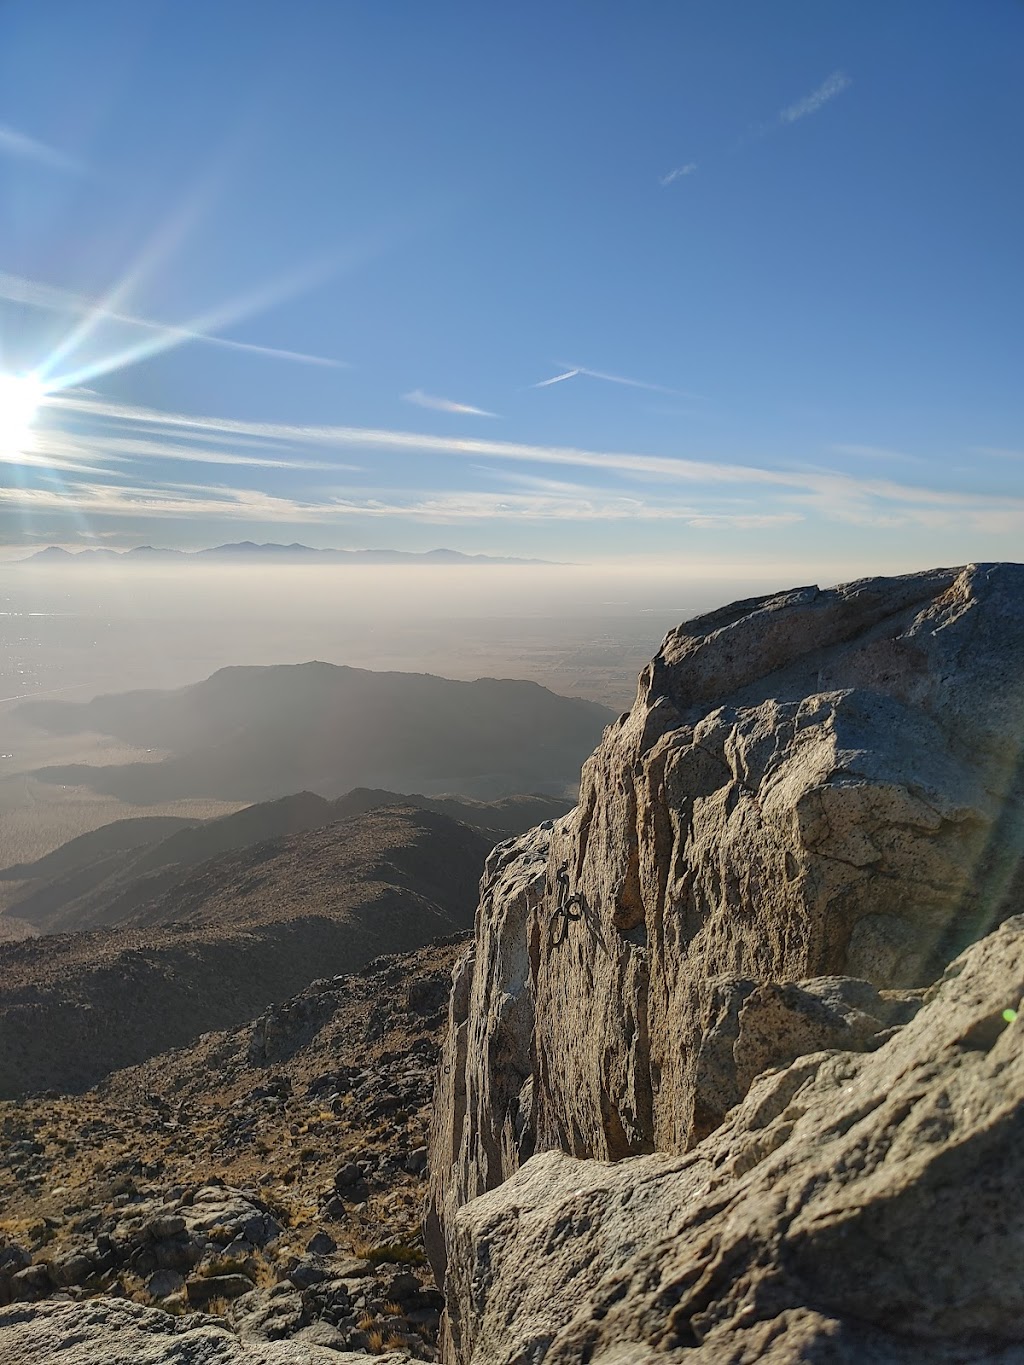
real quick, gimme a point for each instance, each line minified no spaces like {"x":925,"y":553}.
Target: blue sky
{"x":302,"y":272}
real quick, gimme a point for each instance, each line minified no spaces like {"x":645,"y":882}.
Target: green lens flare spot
{"x":1010,"y":1016}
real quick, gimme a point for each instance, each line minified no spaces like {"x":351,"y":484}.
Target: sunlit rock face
{"x":855,"y":1209}
{"x":810,"y":786}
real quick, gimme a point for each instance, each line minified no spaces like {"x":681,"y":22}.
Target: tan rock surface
{"x":815,"y":803}
{"x":482,"y":1123}
{"x":822,"y":783}
{"x":113,"y":1332}
{"x":856,"y":1209}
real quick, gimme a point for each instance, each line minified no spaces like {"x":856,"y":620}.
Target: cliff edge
{"x":815,"y":804}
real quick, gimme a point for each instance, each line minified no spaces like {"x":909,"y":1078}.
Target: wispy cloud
{"x":25,"y":148}
{"x":655,"y":491}
{"x":192,"y":501}
{"x":555,"y":379}
{"x":575,"y":371}
{"x":163,"y":336}
{"x":50,"y":446}
{"x":810,"y":104}
{"x":426,"y":400}
{"x":117,"y":500}
{"x":678,"y":173}
{"x":370,"y":438}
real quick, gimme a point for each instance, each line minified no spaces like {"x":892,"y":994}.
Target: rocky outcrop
{"x":113,"y":1332}
{"x":856,"y":1209}
{"x":816,"y":802}
{"x":482,"y":1123}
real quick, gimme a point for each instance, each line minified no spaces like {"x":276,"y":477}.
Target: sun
{"x":20,"y":399}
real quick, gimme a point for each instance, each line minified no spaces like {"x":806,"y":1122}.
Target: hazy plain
{"x":76,"y":632}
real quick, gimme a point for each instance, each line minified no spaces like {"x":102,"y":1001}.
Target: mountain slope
{"x":310,"y":1121}
{"x":243,"y":930}
{"x":254,"y":733}
{"x":93,"y":885}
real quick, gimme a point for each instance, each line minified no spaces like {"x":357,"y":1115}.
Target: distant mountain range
{"x":247,"y":550}
{"x":253,"y":734}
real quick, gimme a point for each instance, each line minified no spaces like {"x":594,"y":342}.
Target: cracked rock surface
{"x":111,"y":1332}
{"x":815,"y":804}
{"x":859,"y":1209}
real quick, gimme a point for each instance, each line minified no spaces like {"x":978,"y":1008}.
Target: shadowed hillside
{"x":239,"y":932}
{"x":253,"y":733}
{"x":110,"y":876}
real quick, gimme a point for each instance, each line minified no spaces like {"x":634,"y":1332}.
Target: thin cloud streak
{"x":557,"y":379}
{"x":172,"y":500}
{"x":426,"y":400}
{"x":25,"y":148}
{"x":15,"y":289}
{"x":49,"y":444}
{"x":83,"y":500}
{"x":604,"y":375}
{"x":677,"y":174}
{"x":837,"y":494}
{"x":829,"y":88}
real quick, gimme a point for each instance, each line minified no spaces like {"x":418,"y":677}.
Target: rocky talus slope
{"x":724,"y":975}
{"x":252,"y":1198}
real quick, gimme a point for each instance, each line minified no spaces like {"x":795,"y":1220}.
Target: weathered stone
{"x":114,"y":1332}
{"x":347,"y":1176}
{"x":309,"y":1271}
{"x":34,"y":1282}
{"x":748,"y":1027}
{"x":164,"y":1226}
{"x":816,"y":784}
{"x":400,"y":1285}
{"x":72,"y":1269}
{"x":224,"y":1214}
{"x":165,"y":1283}
{"x":482,"y":1125}
{"x":860,"y":1209}
{"x":204,"y":1289}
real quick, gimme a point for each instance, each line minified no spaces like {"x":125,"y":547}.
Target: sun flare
{"x":20,"y":399}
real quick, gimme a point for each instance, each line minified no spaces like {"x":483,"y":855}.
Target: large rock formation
{"x":856,"y":1209}
{"x":821,"y":788}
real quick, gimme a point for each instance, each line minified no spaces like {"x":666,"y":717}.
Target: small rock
{"x":399,"y":1286}
{"x":71,"y":1270}
{"x":350,"y":1268}
{"x":166,"y":1226}
{"x":204,"y":1288}
{"x":309,"y":1271}
{"x":321,"y":1334}
{"x":31,"y":1283}
{"x":164,"y":1284}
{"x":416,"y":1161}
{"x":321,"y":1244}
